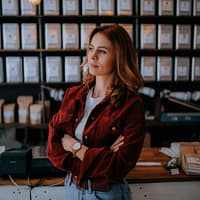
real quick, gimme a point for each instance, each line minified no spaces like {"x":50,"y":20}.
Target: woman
{"x":98,"y":133}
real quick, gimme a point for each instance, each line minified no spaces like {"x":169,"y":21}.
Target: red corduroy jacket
{"x":102,"y":166}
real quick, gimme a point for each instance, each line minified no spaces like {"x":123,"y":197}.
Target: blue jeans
{"x":118,"y":191}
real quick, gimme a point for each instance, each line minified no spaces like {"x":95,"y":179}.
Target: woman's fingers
{"x":118,"y":142}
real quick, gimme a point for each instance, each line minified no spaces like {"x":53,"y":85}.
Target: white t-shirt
{"x":90,"y":104}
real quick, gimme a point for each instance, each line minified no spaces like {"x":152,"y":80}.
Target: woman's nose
{"x":94,"y":55}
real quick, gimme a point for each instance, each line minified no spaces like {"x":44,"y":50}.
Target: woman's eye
{"x":91,"y":48}
{"x":102,"y":52}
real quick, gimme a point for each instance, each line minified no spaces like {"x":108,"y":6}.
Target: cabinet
{"x":47,"y":36}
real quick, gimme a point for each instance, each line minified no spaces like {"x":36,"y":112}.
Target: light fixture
{"x":35,"y":2}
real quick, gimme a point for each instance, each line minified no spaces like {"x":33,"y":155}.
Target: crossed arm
{"x":68,"y":141}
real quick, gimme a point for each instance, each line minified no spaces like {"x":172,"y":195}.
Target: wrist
{"x":75,"y":148}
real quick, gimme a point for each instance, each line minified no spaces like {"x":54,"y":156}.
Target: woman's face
{"x":101,"y":56}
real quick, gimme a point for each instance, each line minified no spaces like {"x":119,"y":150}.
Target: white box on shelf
{"x":0,"y":37}
{"x":31,"y":69}
{"x":106,"y":7}
{"x":196,"y":44}
{"x":11,"y":36}
{"x":1,"y":71}
{"x":183,"y":36}
{"x":165,"y":36}
{"x":89,"y":7}
{"x":85,"y":32}
{"x":148,"y":36}
{"x":164,"y":68}
{"x":29,"y":35}
{"x":10,"y":7}
{"x":27,"y":8}
{"x":148,"y":68}
{"x":51,"y":7}
{"x":70,"y":36}
{"x":52,"y":36}
{"x":124,"y":7}
{"x":147,"y":7}
{"x":53,"y":69}
{"x":195,"y":69}
{"x":14,"y":69}
{"x":70,"y":7}
{"x":196,"y":7}
{"x":72,"y":69}
{"x":182,"y":68}
{"x":184,"y":7}
{"x":166,"y":7}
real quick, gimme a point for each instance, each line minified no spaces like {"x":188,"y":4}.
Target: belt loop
{"x":89,"y":186}
{"x":69,"y":179}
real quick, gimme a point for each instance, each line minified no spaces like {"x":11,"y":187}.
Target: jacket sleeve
{"x":103,"y":164}
{"x":60,"y":158}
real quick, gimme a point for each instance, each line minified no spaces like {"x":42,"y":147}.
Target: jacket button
{"x":86,"y":137}
{"x":114,"y":128}
{"x":76,"y":119}
{"x":92,"y":118}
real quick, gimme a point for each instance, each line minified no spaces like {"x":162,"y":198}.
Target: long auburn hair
{"x":127,"y":77}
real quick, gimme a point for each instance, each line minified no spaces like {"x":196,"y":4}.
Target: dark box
{"x":17,"y":161}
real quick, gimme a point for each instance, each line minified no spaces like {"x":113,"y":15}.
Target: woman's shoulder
{"x":75,"y":90}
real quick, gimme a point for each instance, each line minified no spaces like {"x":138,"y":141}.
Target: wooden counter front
{"x":140,"y":174}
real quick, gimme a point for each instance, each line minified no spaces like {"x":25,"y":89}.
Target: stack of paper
{"x":190,"y":157}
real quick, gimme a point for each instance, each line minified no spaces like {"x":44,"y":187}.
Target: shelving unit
{"x":9,"y":90}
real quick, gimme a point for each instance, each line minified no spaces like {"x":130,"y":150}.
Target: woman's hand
{"x":67,"y":142}
{"x":118,"y":142}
